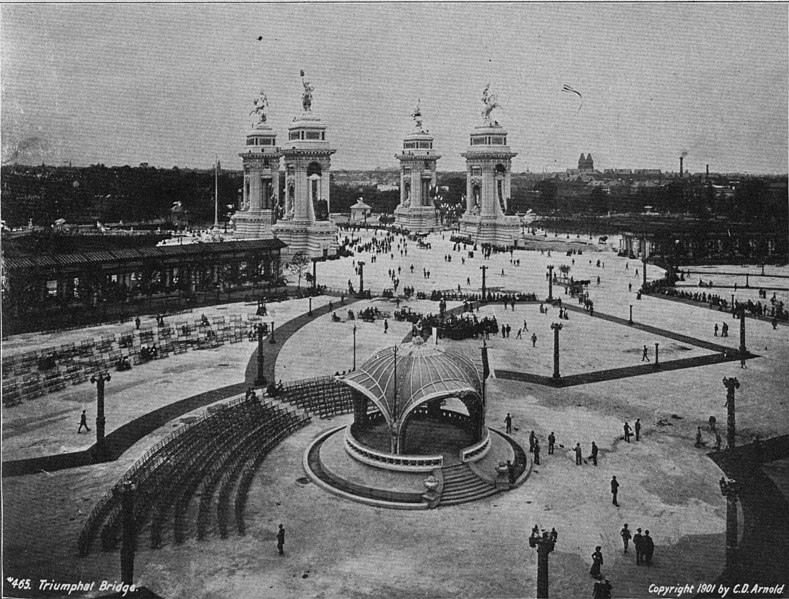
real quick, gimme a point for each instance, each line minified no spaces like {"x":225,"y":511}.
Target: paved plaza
{"x":338,"y":548}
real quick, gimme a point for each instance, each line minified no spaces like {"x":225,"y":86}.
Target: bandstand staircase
{"x":461,"y":485}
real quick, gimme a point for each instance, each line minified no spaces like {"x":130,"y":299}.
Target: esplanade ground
{"x":336,"y":547}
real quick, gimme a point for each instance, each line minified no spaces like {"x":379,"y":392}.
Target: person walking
{"x":699,"y":442}
{"x":578,"y":457}
{"x":534,"y":339}
{"x":625,"y":534}
{"x":532,"y":439}
{"x":645,"y":355}
{"x":649,"y":548}
{"x":614,"y":490}
{"x":638,"y":428}
{"x":597,"y":561}
{"x":137,"y":323}
{"x":627,"y":432}
{"x":83,"y":421}
{"x":594,"y":453}
{"x":281,"y":540}
{"x":519,"y":336}
{"x":551,"y":443}
{"x":638,"y":541}
{"x":554,"y":535}
{"x":536,"y":452}
{"x":508,"y":423}
{"x":386,"y":326}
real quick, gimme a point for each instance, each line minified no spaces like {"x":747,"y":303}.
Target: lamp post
{"x":314,"y":274}
{"x":731,"y":384}
{"x":309,"y":312}
{"x":128,"y":532}
{"x":657,"y":358}
{"x":483,"y":268}
{"x":730,"y":489}
{"x":361,"y":277}
{"x":271,"y":337}
{"x":354,"y":348}
{"x":99,"y":379}
{"x":544,"y":545}
{"x":630,"y":318}
{"x":644,"y":270}
{"x":743,"y":351}
{"x":550,"y":282}
{"x":261,"y":379}
{"x":556,"y":326}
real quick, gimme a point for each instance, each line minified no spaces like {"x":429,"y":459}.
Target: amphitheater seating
{"x":200,"y":458}
{"x":322,"y":396}
{"x":75,"y":362}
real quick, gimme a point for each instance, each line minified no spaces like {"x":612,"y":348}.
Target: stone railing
{"x":477,"y":451}
{"x":403,"y":463}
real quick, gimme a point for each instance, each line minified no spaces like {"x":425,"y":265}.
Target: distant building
{"x":585,"y":164}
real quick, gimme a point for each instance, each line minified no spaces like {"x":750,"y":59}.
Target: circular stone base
{"x":330,"y":466}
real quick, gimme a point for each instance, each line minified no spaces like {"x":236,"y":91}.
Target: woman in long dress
{"x":597,"y":561}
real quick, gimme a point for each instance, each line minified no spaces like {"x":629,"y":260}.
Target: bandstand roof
{"x":424,"y":372}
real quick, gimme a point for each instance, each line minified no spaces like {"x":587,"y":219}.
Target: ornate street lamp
{"x":544,"y":545}
{"x":260,"y":329}
{"x":550,"y":282}
{"x":556,"y":326}
{"x":128,"y":532}
{"x":731,"y":384}
{"x":730,"y":490}
{"x":99,"y":379}
{"x":354,"y":348}
{"x":483,"y":268}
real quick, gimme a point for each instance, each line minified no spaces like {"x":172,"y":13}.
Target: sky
{"x":173,"y":84}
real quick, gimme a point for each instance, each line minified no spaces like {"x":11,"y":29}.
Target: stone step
{"x":461,"y":485}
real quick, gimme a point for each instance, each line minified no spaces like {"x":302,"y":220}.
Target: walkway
{"x":723,"y":354}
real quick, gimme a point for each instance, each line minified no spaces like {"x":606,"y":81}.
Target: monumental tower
{"x":488,"y":180}
{"x":418,"y":191}
{"x":304,"y":223}
{"x":260,"y":195}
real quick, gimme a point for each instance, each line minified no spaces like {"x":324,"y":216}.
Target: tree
{"x":299,"y":265}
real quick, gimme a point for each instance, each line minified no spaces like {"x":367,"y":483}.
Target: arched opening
{"x":500,"y":175}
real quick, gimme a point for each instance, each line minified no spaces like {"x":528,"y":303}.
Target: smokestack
{"x":680,"y":165}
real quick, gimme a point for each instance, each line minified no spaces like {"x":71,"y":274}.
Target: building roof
{"x":423,"y":371}
{"x":126,"y":254}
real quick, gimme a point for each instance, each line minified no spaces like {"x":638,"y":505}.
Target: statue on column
{"x":417,"y":115}
{"x":306,"y":96}
{"x":261,"y":104}
{"x":490,"y":101}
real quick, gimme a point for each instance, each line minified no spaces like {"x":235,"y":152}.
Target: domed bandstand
{"x":418,"y":437}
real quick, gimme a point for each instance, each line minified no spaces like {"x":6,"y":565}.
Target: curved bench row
{"x":199,"y":454}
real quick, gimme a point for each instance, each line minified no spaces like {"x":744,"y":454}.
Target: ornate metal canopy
{"x":400,"y":378}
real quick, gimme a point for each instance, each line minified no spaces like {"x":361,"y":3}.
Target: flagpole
{"x":216,"y":193}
